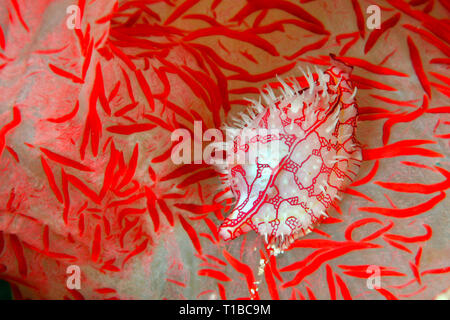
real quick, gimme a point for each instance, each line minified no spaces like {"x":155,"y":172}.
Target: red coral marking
{"x":65,"y":74}
{"x":178,"y":283}
{"x":109,"y":16}
{"x":65,"y":188}
{"x":179,"y":111}
{"x":403,"y":118}
{"x":418,"y":67}
{"x":13,"y":153}
{"x":166,"y":211}
{"x":131,"y":128}
{"x":87,"y":60}
{"x":443,"y":89}
{"x":357,"y":224}
{"x":19,"y":254}
{"x":45,"y":238}
{"x":12,"y":196}
{"x":369,"y":176}
{"x":387,"y":294}
{"x":145,"y":89}
{"x":19,"y":14}
{"x":123,"y":57}
{"x":2,"y":242}
{"x":105,"y":290}
{"x":361,"y":272}
{"x":110,"y":267}
{"x":396,"y":245}
{"x":207,"y":51}
{"x":393,"y":101}
{"x":139,"y":249}
{"x":126,"y":109}
{"x":114,"y":91}
{"x":288,"y":7}
{"x":96,"y":243}
{"x":359,"y":18}
{"x":199,"y":176}
{"x":271,"y":284}
{"x":349,"y":44}
{"x":191,"y":233}
{"x":198,"y":209}
{"x":129,"y":174}
{"x":326,"y":256}
{"x":259,"y":18}
{"x":357,"y":193}
{"x":2,"y":39}
{"x":330,"y":281}
{"x":407,"y":212}
{"x":356,"y":62}
{"x":417,"y":187}
{"x":365,"y":83}
{"x":215,"y":274}
{"x":51,"y":180}
{"x":415,"y":271}
{"x":343,"y":287}
{"x":244,"y":36}
{"x":64,"y":160}
{"x":313,"y":46}
{"x":81,"y":224}
{"x":430,"y":38}
{"x":376,"y":34}
{"x":436,"y":271}
{"x":418,"y":256}
{"x":222,"y":291}
{"x":243,"y":269}
{"x":378,"y":233}
{"x":425,"y":237}
{"x":17,"y":119}
{"x":80,"y":185}
{"x":66,"y":117}
{"x":129,"y":211}
{"x":99,"y":87}
{"x":401,"y":148}
{"x":185,"y":6}
{"x":440,"y":61}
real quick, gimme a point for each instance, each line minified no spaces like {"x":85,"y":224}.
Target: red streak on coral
{"x":215,"y":274}
{"x":64,"y":160}
{"x":19,"y":14}
{"x":8,"y":127}
{"x":343,"y":287}
{"x":244,"y":270}
{"x":313,"y":46}
{"x":330,"y":282}
{"x":19,"y":254}
{"x":65,"y":74}
{"x":96,"y":244}
{"x":66,"y":117}
{"x":401,"y":238}
{"x":51,"y":180}
{"x":407,"y":212}
{"x":357,"y":224}
{"x":376,"y":34}
{"x":191,"y":233}
{"x":401,"y":148}
{"x":418,"y":67}
{"x":180,"y":10}
{"x":139,"y":249}
{"x":387,"y":294}
{"x":242,"y":36}
{"x":359,"y":18}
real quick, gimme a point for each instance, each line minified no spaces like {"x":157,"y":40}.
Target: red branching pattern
{"x":86,"y":117}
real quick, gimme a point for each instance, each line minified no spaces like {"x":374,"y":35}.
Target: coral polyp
{"x":293,"y":156}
